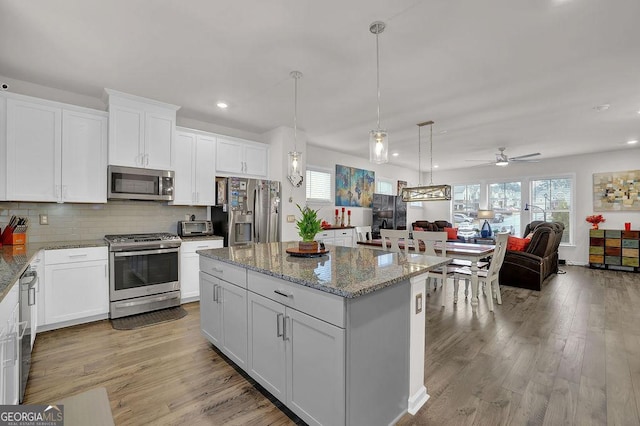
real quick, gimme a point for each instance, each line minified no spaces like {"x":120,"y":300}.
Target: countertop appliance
{"x":143,"y":273}
{"x":28,"y":281}
{"x":192,"y":228}
{"x":248,"y":211}
{"x":389,"y":212}
{"x":131,"y":183}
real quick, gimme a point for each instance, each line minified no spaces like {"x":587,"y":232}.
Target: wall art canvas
{"x":401,"y":185}
{"x":354,"y":187}
{"x":616,"y":191}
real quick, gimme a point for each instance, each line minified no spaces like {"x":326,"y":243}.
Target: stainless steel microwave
{"x":131,"y":183}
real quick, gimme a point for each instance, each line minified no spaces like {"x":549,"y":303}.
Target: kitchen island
{"x":338,"y":338}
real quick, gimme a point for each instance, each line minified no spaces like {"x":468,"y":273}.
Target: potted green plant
{"x":308,"y":226}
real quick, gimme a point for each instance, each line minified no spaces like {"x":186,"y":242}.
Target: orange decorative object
{"x":594,"y":220}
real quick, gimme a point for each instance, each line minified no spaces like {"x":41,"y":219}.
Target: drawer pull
{"x":78,"y":255}
{"x":282,"y":293}
{"x":219,"y":271}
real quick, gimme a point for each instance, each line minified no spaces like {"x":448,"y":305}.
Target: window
{"x":466,"y":199}
{"x":385,"y":186}
{"x":552,"y":200}
{"x":504,"y":200}
{"x":318,"y":185}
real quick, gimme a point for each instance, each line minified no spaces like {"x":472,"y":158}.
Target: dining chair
{"x":429,"y":239}
{"x":487,"y":278}
{"x":391,"y":240}
{"x":363,"y":233}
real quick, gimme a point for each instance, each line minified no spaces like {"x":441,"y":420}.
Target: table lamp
{"x":485,"y":232}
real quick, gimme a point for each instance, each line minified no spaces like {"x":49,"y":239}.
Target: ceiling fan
{"x":503,"y":160}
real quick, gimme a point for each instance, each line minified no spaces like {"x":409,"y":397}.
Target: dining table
{"x":474,"y":253}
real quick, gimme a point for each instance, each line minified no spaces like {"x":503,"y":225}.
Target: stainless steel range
{"x":143,"y":273}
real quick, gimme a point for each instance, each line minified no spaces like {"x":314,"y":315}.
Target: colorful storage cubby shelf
{"x":614,"y":249}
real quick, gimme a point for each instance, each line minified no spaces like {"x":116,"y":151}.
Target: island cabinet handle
{"x":220,"y":271}
{"x":284,"y":328}
{"x":215,"y":292}
{"x":278,"y":332}
{"x":282,"y":293}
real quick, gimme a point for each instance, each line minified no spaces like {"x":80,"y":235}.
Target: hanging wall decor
{"x":354,"y":187}
{"x":616,"y":191}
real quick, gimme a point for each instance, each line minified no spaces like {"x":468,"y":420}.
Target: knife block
{"x":11,"y":239}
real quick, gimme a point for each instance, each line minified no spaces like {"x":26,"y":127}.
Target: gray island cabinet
{"x":338,"y":339}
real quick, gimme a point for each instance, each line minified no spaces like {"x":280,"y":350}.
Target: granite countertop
{"x":15,"y":259}
{"x":345,"y":271}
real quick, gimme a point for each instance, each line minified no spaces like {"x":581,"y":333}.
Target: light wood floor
{"x":568,"y":355}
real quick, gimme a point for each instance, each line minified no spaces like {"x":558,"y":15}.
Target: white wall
{"x":582,"y":167}
{"x":323,"y":158}
{"x":281,"y":141}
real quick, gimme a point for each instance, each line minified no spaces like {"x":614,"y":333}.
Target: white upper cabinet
{"x":241,"y":158}
{"x":194,"y":160}
{"x":84,"y":157}
{"x":141,"y":131}
{"x":55,"y":152}
{"x":34,"y":149}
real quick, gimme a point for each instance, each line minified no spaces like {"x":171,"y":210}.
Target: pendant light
{"x":429,"y":192}
{"x":294,"y":173}
{"x":378,"y":139}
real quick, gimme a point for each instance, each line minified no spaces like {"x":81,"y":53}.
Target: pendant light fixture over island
{"x":378,"y":138}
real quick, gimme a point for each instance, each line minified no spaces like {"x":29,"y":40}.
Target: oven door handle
{"x":141,"y":252}
{"x":144,"y":302}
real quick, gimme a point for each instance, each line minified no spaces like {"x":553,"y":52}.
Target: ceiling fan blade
{"x":519,"y":157}
{"x":524,"y":161}
{"x":483,"y":161}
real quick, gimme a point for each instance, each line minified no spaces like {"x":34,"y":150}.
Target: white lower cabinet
{"x":77,"y":285}
{"x":189,"y":267}
{"x":337,"y":237}
{"x":299,"y":359}
{"x":223,"y":318}
{"x":10,"y":347}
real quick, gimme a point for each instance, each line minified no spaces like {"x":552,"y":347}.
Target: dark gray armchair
{"x":529,"y":268}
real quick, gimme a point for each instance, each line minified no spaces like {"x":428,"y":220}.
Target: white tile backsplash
{"x":69,"y":222}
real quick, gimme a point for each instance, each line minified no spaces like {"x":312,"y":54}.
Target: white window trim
{"x":572,"y":211}
{"x":392,"y":182}
{"x":331,"y":189}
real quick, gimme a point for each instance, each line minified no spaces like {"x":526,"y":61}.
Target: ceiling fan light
{"x":502,"y":163}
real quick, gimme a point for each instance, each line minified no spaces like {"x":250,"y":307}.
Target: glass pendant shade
{"x":378,"y":146}
{"x":294,"y":168}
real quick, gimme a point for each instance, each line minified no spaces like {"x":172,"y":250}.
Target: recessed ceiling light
{"x":395,"y":154}
{"x":435,"y":166}
{"x":638,"y":111}
{"x":632,"y":142}
{"x":222,"y":105}
{"x":602,"y":107}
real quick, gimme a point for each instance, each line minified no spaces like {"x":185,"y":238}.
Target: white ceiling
{"x":523,"y":74}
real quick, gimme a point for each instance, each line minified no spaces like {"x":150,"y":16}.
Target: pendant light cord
{"x":431,"y":153}
{"x":378,"y":77}
{"x":419,"y":157}
{"x":295,"y":75}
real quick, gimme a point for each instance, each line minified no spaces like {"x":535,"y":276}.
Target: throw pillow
{"x":452,"y":233}
{"x":517,"y":244}
{"x":417,"y":228}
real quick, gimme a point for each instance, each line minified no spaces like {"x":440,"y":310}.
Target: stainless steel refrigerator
{"x":246,"y":211}
{"x":389,"y":212}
